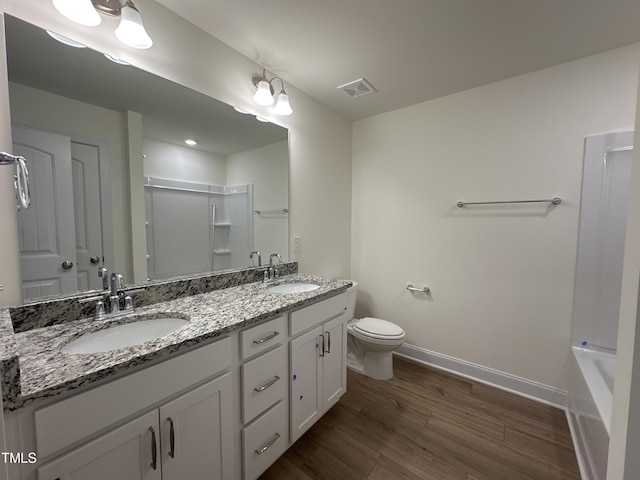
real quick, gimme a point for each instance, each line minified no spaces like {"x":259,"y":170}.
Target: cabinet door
{"x":306,"y":402}
{"x":126,"y":453}
{"x":196,"y":433}
{"x":334,"y":362}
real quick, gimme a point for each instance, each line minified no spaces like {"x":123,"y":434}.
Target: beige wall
{"x":320,"y":140}
{"x":501,"y":277}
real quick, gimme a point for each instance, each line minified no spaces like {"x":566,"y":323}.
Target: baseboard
{"x":505,"y":381}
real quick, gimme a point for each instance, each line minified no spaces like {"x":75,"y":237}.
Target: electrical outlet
{"x":297,"y":243}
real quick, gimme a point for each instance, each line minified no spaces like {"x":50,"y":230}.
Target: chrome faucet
{"x":259,"y":257}
{"x":117,"y":283}
{"x":104,"y":274}
{"x":273,"y":269}
{"x":116,"y":290}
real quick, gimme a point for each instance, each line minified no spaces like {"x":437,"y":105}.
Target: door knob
{"x":67,"y":264}
{"x":95,"y":259}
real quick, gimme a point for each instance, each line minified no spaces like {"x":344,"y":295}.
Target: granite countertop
{"x":33,"y":367}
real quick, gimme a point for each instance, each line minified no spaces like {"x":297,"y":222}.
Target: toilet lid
{"x":375,"y":327}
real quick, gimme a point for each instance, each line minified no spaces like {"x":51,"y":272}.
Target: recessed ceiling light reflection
{"x":190,"y":142}
{"x":65,"y":40}
{"x":116,"y":59}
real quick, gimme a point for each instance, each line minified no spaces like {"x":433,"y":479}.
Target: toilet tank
{"x":352,"y":293}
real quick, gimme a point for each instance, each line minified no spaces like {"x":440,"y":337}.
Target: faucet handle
{"x":99,"y":309}
{"x":104,"y":274}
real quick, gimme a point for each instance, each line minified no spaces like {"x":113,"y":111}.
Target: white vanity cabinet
{"x":195,"y":431}
{"x":318,"y":361}
{"x":185,"y":438}
{"x":175,"y":416}
{"x":124,"y":453}
{"x":265,"y":423}
{"x":225,"y":410}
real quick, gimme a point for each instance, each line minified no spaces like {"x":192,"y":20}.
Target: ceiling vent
{"x":357,"y":88}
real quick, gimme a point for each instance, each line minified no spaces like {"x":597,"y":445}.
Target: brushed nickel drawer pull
{"x":154,"y":449}
{"x":268,"y":445}
{"x":267,"y":338}
{"x":328,"y":342}
{"x":172,"y":438}
{"x":267,"y":385}
{"x":321,"y":345}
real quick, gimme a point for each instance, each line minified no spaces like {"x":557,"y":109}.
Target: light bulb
{"x":131,"y":31}
{"x":263,"y":94}
{"x":282,"y":105}
{"x":79,"y":11}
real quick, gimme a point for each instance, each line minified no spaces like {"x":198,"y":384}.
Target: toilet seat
{"x":378,"y":329}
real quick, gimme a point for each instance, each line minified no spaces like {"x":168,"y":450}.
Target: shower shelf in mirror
{"x":222,"y":251}
{"x":222,"y":225}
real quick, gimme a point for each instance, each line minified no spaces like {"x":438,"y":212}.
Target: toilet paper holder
{"x":424,"y":289}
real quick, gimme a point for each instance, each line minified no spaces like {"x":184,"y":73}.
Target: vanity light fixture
{"x":131,"y":32}
{"x":264,"y":94}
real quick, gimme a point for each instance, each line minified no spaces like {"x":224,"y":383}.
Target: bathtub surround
{"x":596,"y":305}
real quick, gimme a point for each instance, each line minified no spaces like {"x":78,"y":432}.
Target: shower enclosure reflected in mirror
{"x":77,"y":116}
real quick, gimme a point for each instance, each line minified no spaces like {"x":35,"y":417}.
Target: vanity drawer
{"x":315,"y":314}
{"x":264,"y":382}
{"x":262,"y":337}
{"x":264,"y":441}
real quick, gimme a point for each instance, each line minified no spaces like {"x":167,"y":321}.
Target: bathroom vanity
{"x":222,"y":397}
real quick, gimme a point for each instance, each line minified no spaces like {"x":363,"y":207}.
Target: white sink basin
{"x":121,"y":336}
{"x":297,"y":287}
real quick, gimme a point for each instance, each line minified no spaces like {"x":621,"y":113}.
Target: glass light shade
{"x":131,"y":31}
{"x":263,"y":94}
{"x":282,"y":105}
{"x":79,"y":11}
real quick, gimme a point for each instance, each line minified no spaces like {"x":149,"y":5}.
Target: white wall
{"x":267,"y":168}
{"x":166,"y":160}
{"x":501,"y":277}
{"x":320,"y":140}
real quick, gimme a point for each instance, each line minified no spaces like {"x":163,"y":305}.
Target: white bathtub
{"x":598,"y":369}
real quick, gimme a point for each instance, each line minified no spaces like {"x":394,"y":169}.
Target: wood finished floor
{"x":428,"y":424}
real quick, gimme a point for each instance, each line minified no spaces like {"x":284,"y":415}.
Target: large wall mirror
{"x":77,"y":116}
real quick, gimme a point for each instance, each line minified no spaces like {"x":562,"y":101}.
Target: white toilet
{"x":370,"y":342}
